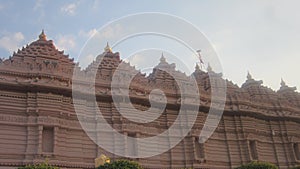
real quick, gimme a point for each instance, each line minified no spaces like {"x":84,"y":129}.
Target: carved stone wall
{"x":38,"y":121}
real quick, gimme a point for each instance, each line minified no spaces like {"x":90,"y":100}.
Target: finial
{"x":162,"y":58}
{"x":285,"y":87}
{"x":42,"y":36}
{"x":249,"y":77}
{"x":107,"y":48}
{"x":197,"y":68}
{"x":209,"y":69}
{"x":282,"y":83}
{"x":200,"y":58}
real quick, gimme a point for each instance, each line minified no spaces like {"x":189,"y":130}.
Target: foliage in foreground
{"x":297,"y":167}
{"x":124,"y":164}
{"x":44,"y":165}
{"x":258,"y":165}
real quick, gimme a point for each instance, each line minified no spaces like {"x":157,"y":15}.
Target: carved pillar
{"x":137,"y":146}
{"x":236,"y":120}
{"x":199,"y":150}
{"x":243,"y":137}
{"x":283,"y":142}
{"x":227,"y":144}
{"x":273,"y":143}
{"x":55,"y":140}
{"x":184,"y":151}
{"x":252,"y":149}
{"x":31,"y":146}
{"x":40,"y":138}
{"x":27,"y":151}
{"x":169,"y":142}
{"x":97,"y":153}
{"x":125,"y":143}
{"x":294,"y":147}
{"x":289,"y":145}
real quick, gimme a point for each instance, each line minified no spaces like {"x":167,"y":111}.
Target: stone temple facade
{"x":38,"y":120}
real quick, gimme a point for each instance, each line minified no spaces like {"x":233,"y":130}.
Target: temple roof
{"x":41,"y":57}
{"x":42,"y":63}
{"x":43,"y":49}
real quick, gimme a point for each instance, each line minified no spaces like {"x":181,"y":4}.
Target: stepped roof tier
{"x":40,"y":56}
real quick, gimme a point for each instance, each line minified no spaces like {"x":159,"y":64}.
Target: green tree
{"x":124,"y":164}
{"x":258,"y":165}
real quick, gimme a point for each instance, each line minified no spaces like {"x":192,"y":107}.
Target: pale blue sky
{"x":258,"y":35}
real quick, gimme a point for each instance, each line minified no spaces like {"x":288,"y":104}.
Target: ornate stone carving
{"x":36,"y":92}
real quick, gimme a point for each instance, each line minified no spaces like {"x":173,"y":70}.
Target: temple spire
{"x":197,"y":68}
{"x":250,"y":81}
{"x":200,"y":58}
{"x":282,"y":83}
{"x":107,"y":48}
{"x":42,"y":36}
{"x":285,"y":87}
{"x":162,"y":58}
{"x":249,"y":77}
{"x":209,"y":69}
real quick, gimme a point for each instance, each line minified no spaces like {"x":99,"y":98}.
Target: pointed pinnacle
{"x":42,"y":36}
{"x":249,"y":77}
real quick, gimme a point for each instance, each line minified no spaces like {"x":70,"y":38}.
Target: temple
{"x":38,"y":120}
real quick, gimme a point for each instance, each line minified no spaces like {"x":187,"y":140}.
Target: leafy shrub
{"x":258,"y":165}
{"x":44,"y":165}
{"x":124,"y":164}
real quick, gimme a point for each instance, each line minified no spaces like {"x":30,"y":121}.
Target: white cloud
{"x":136,"y":59}
{"x":107,"y":34}
{"x":69,"y":9}
{"x":87,"y":34}
{"x":86,"y":60}
{"x":113,"y":31}
{"x":65,"y":42}
{"x":39,"y":8}
{"x":96,"y":4}
{"x":38,"y":5}
{"x":11,"y":41}
{"x":19,"y":36}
